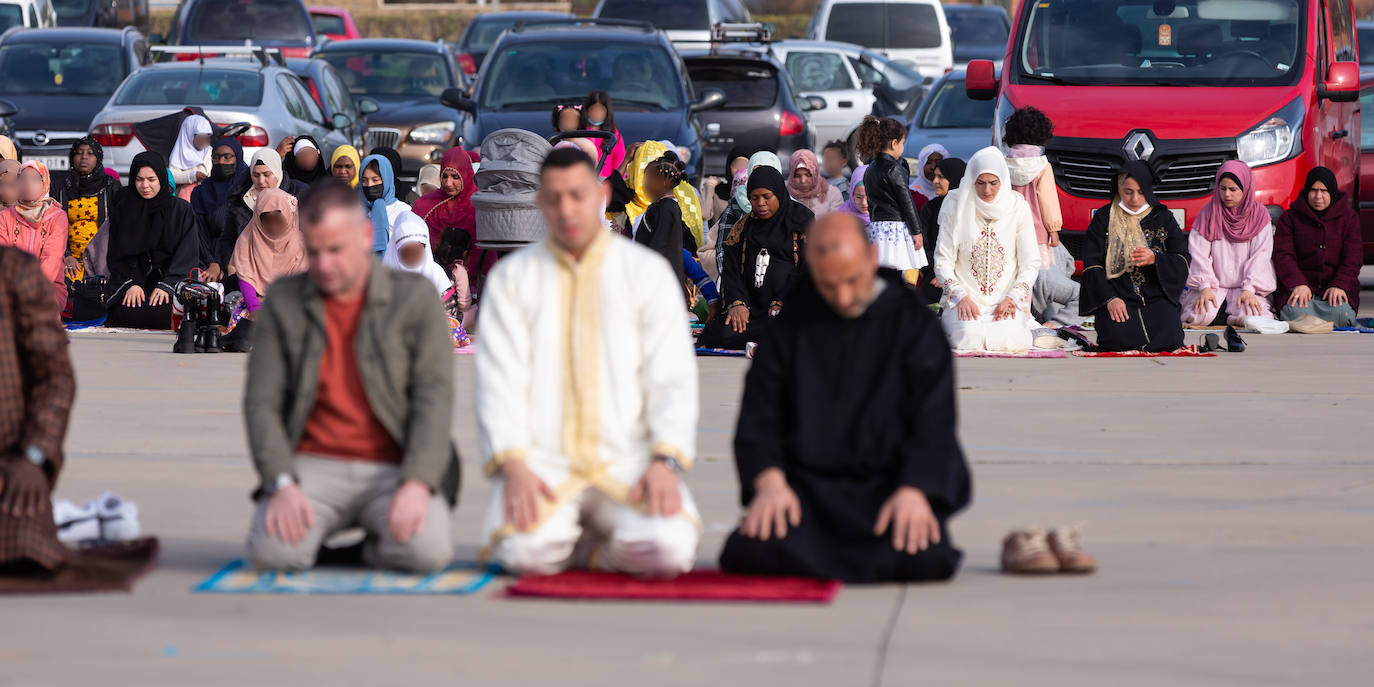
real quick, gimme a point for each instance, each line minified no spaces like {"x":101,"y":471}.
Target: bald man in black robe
{"x":846,"y":448}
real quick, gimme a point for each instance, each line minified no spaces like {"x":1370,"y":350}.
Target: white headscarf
{"x":268,"y":157}
{"x":919,"y":182}
{"x":184,"y":153}
{"x":409,"y":228}
{"x":991,"y":266}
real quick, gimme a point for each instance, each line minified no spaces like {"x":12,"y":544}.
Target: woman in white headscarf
{"x":409,"y":251}
{"x":923,"y":181}
{"x":190,"y":160}
{"x":986,"y":260}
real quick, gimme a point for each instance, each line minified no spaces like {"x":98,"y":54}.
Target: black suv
{"x":538,"y":65}
{"x":406,"y":78}
{"x":58,"y":80}
{"x":762,"y":107}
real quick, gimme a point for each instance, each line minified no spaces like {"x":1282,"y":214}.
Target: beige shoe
{"x":1067,"y":545}
{"x":1027,"y":552}
{"x":1311,"y":324}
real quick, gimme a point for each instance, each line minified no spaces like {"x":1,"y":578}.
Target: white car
{"x":913,"y":32}
{"x":34,"y":14}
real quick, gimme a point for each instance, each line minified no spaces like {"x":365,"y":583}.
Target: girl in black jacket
{"x":894,"y":226}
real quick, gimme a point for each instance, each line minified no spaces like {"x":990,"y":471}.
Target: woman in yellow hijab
{"x":684,"y":193}
{"x":344,"y":163}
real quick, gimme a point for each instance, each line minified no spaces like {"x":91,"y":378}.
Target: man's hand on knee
{"x":914,"y":526}
{"x":406,"y":516}
{"x":23,"y":489}
{"x":658,"y":487}
{"x":521,"y":494}
{"x":289,"y":515}
{"x":775,"y":506}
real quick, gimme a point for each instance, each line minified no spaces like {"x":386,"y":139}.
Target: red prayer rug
{"x":1189,"y":351}
{"x":701,"y":585}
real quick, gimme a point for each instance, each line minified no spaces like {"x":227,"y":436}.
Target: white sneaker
{"x":118,"y":518}
{"x":1266,"y":325}
{"x":75,"y":523}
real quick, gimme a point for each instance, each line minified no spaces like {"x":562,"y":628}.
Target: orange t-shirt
{"x":342,"y":425}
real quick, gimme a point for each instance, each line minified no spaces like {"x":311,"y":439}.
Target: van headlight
{"x":1275,"y":139}
{"x":435,"y":134}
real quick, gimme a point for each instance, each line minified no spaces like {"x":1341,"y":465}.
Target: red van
{"x":1184,"y":85}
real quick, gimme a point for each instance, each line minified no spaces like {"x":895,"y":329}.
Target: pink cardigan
{"x":47,"y":241}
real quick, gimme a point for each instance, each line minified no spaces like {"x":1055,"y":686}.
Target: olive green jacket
{"x":405,"y":360}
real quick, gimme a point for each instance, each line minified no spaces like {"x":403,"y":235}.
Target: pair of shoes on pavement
{"x":1033,"y":551}
{"x":106,"y":518}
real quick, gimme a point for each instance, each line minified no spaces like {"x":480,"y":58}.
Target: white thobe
{"x":586,"y":371}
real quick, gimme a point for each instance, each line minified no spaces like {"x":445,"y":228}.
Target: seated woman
{"x":38,"y":226}
{"x":1135,"y":262}
{"x":763,"y":253}
{"x":857,"y":204}
{"x":231,"y":218}
{"x":304,"y":162}
{"x":344,"y":163}
{"x":949,"y":173}
{"x":190,"y":162}
{"x":86,"y":196}
{"x":377,"y":185}
{"x":153,"y":246}
{"x":450,"y":207}
{"x":986,"y":260}
{"x":409,"y":251}
{"x":271,"y":247}
{"x":1318,"y":254}
{"x":1232,"y":246}
{"x":808,"y":187}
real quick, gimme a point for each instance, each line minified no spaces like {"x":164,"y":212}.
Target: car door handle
{"x":1337,"y":135}
{"x":846,"y":104}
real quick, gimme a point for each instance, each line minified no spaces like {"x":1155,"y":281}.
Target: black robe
{"x":661,"y":228}
{"x":850,"y":410}
{"x":1151,"y":293}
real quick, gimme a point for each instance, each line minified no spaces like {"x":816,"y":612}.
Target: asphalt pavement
{"x":1229,"y":500}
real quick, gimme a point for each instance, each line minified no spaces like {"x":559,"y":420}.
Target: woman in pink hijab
{"x":1232,"y":243}
{"x":450,"y":206}
{"x":805,"y":184}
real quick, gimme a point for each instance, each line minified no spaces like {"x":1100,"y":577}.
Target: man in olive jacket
{"x":348,"y":402}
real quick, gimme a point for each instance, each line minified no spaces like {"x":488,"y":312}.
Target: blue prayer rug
{"x":240,"y":578}
{"x":719,"y":353}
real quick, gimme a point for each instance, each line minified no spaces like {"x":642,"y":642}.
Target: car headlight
{"x":1276,"y":139}
{"x":438,"y":133}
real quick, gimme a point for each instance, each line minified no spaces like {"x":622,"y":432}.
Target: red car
{"x":334,"y":23}
{"x":1183,"y":85}
{"x":1366,"y":187}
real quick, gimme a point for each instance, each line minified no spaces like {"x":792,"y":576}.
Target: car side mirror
{"x":815,"y":102}
{"x":234,"y":130}
{"x":710,"y":99}
{"x":980,"y":80}
{"x":340,"y":120}
{"x":367,"y":106}
{"x":1342,"y":83}
{"x":457,"y":99}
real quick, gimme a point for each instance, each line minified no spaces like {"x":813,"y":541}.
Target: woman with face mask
{"x":377,"y":186}
{"x":228,"y":170}
{"x":264,"y":172}
{"x":38,"y":226}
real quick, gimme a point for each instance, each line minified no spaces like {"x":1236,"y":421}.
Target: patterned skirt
{"x":895,"y":247}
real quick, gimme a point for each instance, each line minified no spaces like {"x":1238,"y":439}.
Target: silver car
{"x":255,"y":90}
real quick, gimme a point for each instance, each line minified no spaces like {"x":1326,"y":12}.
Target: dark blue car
{"x":535,"y":66}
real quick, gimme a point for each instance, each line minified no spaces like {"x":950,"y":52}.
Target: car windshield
{"x":391,"y":74}
{"x":974,"y":25}
{"x":485,"y":32}
{"x":814,"y":70}
{"x":180,"y":87}
{"x":669,"y":15}
{"x":11,"y":16}
{"x":1198,"y":43}
{"x":71,"y":9}
{"x":949,"y":107}
{"x":58,"y":69}
{"x":239,"y":20}
{"x":897,"y":25}
{"x":746,"y":86}
{"x":541,"y":74}
{"x":329,"y":24}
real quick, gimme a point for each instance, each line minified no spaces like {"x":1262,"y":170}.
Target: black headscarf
{"x":289,"y":167}
{"x":791,"y":215}
{"x":1328,"y":179}
{"x":137,"y":224}
{"x":395,"y":159}
{"x":1143,"y":175}
{"x":86,"y":185}
{"x":953,"y":168}
{"x":215,"y":191}
{"x":723,"y":188}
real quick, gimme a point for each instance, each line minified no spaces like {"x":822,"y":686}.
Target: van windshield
{"x":1163,"y":42}
{"x":883,"y":25}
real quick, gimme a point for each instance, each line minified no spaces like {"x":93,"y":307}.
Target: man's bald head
{"x":843,"y":263}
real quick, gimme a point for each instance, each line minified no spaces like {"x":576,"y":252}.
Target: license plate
{"x":54,"y":164}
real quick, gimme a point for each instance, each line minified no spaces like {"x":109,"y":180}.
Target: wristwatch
{"x":38,"y":457}
{"x":671,"y":462}
{"x":282,"y":481}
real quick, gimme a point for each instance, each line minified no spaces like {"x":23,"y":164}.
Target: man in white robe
{"x":586,"y":395}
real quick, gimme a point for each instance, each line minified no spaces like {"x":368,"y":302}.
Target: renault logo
{"x":1139,"y":146}
{"x":40,"y":138}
